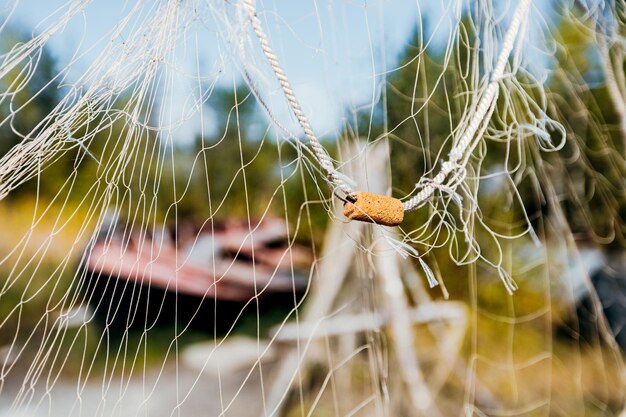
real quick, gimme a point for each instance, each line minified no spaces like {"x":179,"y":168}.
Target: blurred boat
{"x":197,"y":278}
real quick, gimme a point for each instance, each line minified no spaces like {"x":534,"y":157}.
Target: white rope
{"x":468,"y":140}
{"x":334,"y":177}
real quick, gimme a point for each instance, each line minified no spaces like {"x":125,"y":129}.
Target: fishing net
{"x":173,"y":176}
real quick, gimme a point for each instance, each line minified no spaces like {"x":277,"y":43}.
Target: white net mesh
{"x":172,"y":240}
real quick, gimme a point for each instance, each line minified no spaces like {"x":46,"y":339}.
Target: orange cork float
{"x":375,"y":208}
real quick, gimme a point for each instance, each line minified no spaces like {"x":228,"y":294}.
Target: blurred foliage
{"x":236,"y":169}
{"x":34,"y":88}
{"x":232,"y":172}
{"x":425,"y":99}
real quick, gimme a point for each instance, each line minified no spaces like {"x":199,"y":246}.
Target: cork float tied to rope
{"x":375,"y":208}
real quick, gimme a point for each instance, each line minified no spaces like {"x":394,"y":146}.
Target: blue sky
{"x":332,"y":50}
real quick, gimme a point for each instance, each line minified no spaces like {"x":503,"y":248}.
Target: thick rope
{"x":469,"y":139}
{"x":321,"y":155}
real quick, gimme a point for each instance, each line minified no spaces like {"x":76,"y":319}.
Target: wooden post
{"x":340,"y":250}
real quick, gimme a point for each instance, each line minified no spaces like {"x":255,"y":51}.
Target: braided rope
{"x":469,"y":139}
{"x":321,"y":155}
